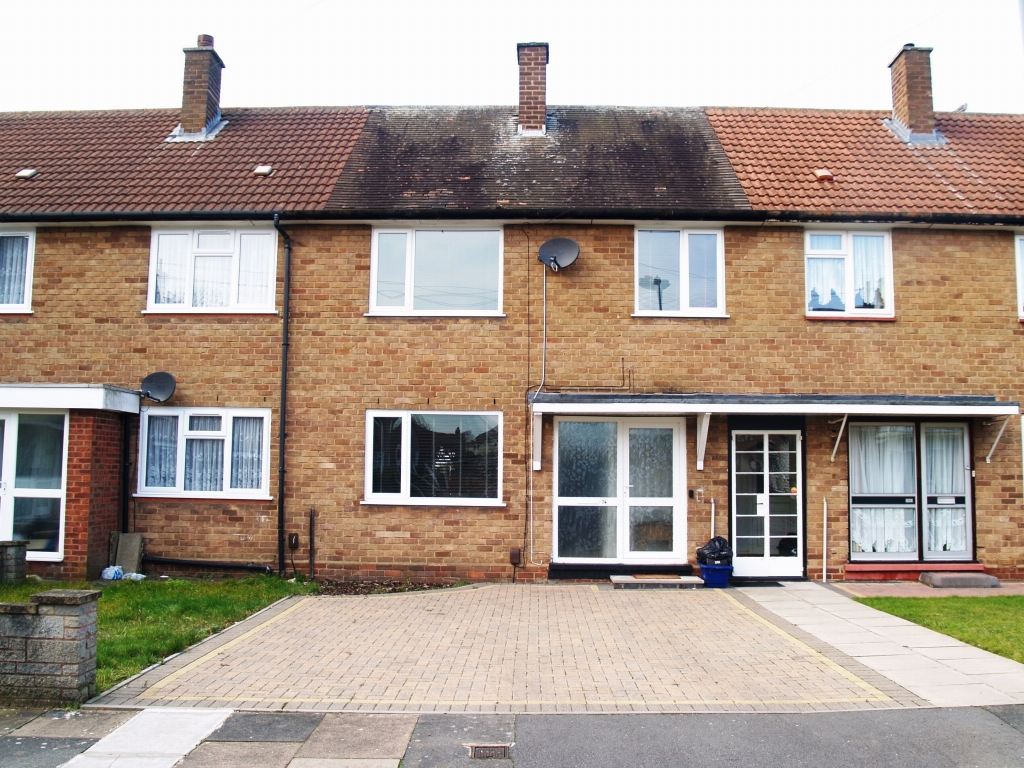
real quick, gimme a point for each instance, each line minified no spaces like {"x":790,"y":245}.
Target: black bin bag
{"x":715,"y":552}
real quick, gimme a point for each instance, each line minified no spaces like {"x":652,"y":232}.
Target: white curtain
{"x":869,"y":271}
{"x":204,"y":465}
{"x":13,"y":266}
{"x":247,"y":452}
{"x":881,"y":459}
{"x":826,"y":284}
{"x":703,"y":253}
{"x":171,"y":269}
{"x":946,"y":473}
{"x":211,"y":282}
{"x":255,"y":269}
{"x":161,"y":451}
{"x":883,"y":529}
{"x":204,"y":423}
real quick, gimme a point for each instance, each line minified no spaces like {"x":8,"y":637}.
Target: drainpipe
{"x":283,"y":418}
{"x":125,"y":480}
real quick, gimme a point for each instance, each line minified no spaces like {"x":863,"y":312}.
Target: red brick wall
{"x":912,"y":90}
{"x":533,"y":72}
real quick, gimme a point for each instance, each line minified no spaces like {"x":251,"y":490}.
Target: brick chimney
{"x":200,"y":101}
{"x":912,"y":89}
{"x":533,"y":98}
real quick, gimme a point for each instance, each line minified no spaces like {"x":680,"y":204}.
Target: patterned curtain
{"x":13,"y":266}
{"x":247,"y":452}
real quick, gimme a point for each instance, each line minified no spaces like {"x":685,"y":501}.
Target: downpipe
{"x":283,"y":417}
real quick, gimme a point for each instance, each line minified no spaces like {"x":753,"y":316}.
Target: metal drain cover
{"x":489,"y":751}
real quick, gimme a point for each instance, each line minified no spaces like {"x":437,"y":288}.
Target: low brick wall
{"x":48,"y":648}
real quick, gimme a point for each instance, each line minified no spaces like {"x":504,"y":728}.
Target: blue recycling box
{"x":716,"y":576}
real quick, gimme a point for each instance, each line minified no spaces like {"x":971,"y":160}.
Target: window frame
{"x":404,"y":498}
{"x":25,"y":308}
{"x":233,"y":307}
{"x":921,"y":553}
{"x":851,"y":311}
{"x":227,"y":415}
{"x":410,"y":266}
{"x":1018,"y":241}
{"x":684,"y":260}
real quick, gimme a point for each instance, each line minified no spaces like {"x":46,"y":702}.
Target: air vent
{"x":262,"y":170}
{"x":489,"y":751}
{"x":824,"y":174}
{"x":26,"y":173}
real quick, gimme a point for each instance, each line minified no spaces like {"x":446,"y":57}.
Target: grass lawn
{"x":993,"y":623}
{"x":139,"y":623}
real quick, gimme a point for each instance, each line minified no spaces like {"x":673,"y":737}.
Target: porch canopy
{"x":88,"y":397}
{"x":704,"y":405}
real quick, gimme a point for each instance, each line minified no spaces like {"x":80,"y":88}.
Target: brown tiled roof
{"x":118,"y":162}
{"x":978,"y":172}
{"x":593,"y":162}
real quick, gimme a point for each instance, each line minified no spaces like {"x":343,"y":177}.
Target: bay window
{"x":212,"y":270}
{"x":848,"y":274}
{"x":205,"y":453}
{"x":433,"y":457}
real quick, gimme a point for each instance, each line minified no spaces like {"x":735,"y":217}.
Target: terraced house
{"x":796,"y":328}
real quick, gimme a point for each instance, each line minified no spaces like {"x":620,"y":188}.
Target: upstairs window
{"x":16,"y":257}
{"x":848,"y":274}
{"x":212,"y":270}
{"x":436,"y":272}
{"x":680,"y":273}
{"x":1020,"y":277}
{"x":205,"y":453}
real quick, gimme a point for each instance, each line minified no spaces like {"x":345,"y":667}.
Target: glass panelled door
{"x":33,"y":455}
{"x":619,"y":491}
{"x":767,"y":504}
{"x":946,"y":487}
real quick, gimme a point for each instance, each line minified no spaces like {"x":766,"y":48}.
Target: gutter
{"x":283,"y":418}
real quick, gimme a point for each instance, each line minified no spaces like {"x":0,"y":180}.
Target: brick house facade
{"x":581,"y":376}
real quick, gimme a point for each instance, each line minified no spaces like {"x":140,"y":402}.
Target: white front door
{"x":946,"y":490}
{"x":767,"y":503}
{"x":620,"y":491}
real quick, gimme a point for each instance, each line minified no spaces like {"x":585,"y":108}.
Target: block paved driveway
{"x":518,"y":649}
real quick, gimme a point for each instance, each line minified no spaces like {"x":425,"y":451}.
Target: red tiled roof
{"x":774,"y":152}
{"x":119,"y":162}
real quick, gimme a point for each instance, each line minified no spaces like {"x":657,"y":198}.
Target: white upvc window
{"x":1020,"y":276}
{"x":455,"y":271}
{"x":17,"y":254}
{"x":208,"y":453}
{"x":848,"y":274}
{"x":436,"y":458}
{"x":679,"y":272}
{"x":212,"y":269}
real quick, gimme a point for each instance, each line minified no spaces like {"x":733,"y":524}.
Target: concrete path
{"x":522,"y":648}
{"x":941,"y":670}
{"x":917,"y":589}
{"x":905,"y":738}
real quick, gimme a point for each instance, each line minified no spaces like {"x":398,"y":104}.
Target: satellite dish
{"x":559,"y":253}
{"x":158,"y":386}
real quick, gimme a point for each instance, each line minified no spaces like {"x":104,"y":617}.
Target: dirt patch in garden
{"x":383,"y":587}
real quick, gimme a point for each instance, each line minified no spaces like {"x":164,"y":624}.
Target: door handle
{"x":761,"y":504}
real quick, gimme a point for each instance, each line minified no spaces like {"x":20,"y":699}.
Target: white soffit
{"x":85,"y":397}
{"x":795,"y":409}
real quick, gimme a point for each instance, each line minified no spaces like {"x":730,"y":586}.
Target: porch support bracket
{"x":988,"y":459}
{"x":839,"y":437}
{"x":703,"y":420}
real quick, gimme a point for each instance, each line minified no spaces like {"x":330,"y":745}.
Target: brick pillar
{"x":12,"y":562}
{"x":200,"y":100}
{"x":533,"y":64}
{"x":912,"y":89}
{"x":49,"y":648}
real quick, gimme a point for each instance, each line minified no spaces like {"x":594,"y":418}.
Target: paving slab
{"x":441,"y":741}
{"x":39,"y":752}
{"x":212,"y":754}
{"x":76,"y":724}
{"x":13,"y":719}
{"x":355,"y":762}
{"x":353,"y":735}
{"x":266,"y":726}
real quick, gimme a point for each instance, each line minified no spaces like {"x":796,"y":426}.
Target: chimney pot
{"x":912,"y":89}
{"x":533,"y":62}
{"x":200,"y":101}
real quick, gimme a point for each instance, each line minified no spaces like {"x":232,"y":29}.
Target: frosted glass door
{"x":945,"y":475}
{"x":651,"y":491}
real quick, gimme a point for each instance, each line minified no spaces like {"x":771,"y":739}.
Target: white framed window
{"x":437,"y":458}
{"x":212,"y":269}
{"x":1019,"y":240}
{"x":453,"y":271}
{"x":17,"y":257}
{"x":206,"y":453}
{"x":848,"y":274}
{"x":33,"y":481}
{"x":679,"y":272}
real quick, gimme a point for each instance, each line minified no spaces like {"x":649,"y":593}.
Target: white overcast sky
{"x":103,"y":54}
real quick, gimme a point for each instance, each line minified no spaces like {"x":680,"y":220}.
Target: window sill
{"x":19,"y":311}
{"x":220,"y":312}
{"x":44,"y":557}
{"x":859,"y":318}
{"x":429,"y":315}
{"x":192,"y":497}
{"x":684,"y":315}
{"x":434,"y":503}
